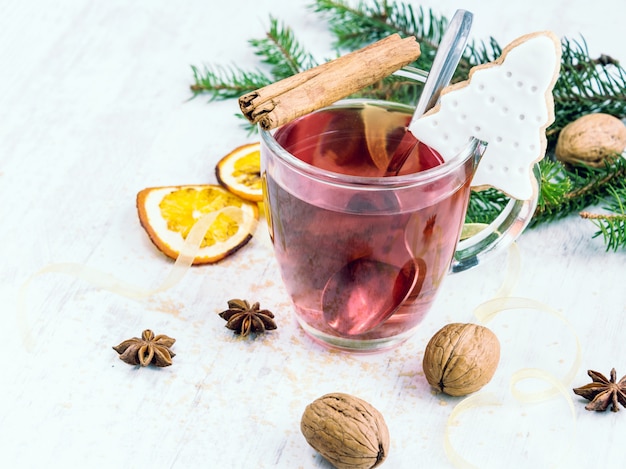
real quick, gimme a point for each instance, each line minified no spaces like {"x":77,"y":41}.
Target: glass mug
{"x":361,"y":255}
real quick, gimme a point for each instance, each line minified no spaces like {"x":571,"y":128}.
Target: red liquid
{"x":335,"y":141}
{"x":318,"y":228}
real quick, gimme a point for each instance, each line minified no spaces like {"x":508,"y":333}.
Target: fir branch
{"x":612,"y":226}
{"x":356,"y":26}
{"x":282,"y":52}
{"x":485,"y":205}
{"x":222,"y":83}
{"x":279,"y":50}
{"x":555,"y":184}
{"x":589,"y":186}
{"x":563,"y":191}
{"x":480,"y":52}
{"x":586,"y":85}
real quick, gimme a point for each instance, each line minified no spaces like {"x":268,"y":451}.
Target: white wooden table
{"x":94,"y":106}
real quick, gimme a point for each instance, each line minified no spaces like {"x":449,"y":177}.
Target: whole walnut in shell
{"x":461,"y":358}
{"x":349,"y":432}
{"x":591,"y":140}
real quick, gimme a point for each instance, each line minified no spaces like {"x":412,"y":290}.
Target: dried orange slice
{"x":168,"y":215}
{"x":240,"y":172}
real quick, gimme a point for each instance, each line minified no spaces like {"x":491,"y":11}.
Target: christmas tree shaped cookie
{"x":508,"y":104}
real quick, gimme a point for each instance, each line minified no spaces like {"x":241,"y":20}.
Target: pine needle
{"x":611,"y":226}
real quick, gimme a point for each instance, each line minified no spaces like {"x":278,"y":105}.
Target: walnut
{"x":346,"y":430}
{"x":591,"y":140}
{"x":461,"y":358}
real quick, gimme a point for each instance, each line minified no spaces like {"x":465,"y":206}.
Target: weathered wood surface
{"x":94,"y":100}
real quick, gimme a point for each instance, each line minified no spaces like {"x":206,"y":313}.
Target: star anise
{"x":602,"y":392}
{"x":149,"y":349}
{"x":243,"y":318}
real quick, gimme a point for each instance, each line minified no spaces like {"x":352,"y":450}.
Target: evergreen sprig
{"x":279,"y":50}
{"x":282,"y":52}
{"x":354,"y":27}
{"x":485,"y":205}
{"x":612,"y":225}
{"x":585,"y":85}
{"x":222,"y":82}
{"x":581,"y":187}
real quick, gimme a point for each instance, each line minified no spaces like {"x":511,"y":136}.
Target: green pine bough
{"x":585,"y":85}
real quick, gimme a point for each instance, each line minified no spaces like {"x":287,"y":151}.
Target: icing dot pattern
{"x":505,"y":103}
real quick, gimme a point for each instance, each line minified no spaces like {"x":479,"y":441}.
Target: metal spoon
{"x":366,"y":292}
{"x":446,"y":60}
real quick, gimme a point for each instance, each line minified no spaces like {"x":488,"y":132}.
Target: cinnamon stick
{"x":281,"y":102}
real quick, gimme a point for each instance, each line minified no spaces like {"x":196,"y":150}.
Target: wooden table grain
{"x":95,"y":106}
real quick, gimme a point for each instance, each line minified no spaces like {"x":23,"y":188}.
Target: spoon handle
{"x":446,"y":60}
{"x":448,"y":55}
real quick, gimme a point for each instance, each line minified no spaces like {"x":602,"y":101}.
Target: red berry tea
{"x":361,"y":254}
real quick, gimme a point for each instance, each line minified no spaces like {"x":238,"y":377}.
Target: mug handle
{"x":499,"y":234}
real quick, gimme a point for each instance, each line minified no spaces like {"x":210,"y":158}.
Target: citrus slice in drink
{"x":168,"y":214}
{"x":472,"y":229}
{"x":240,"y":172}
{"x":379,"y":124}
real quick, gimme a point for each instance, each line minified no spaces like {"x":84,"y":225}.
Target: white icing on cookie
{"x":508,"y":104}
